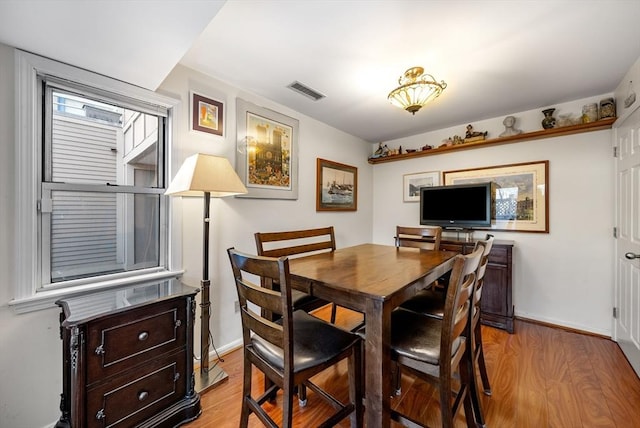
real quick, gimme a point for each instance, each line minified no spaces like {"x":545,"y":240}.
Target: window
{"x":92,"y":173}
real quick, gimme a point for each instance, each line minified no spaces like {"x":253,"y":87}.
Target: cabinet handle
{"x":178,"y":323}
{"x":632,"y":256}
{"x":100,"y":414}
{"x":143,"y":395}
{"x":143,"y":336}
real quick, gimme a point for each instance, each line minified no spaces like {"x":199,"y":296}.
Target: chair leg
{"x":287,"y":404}
{"x":246,"y":393}
{"x":397,"y":379}
{"x":473,"y":387}
{"x":480,"y":358}
{"x":446,"y":412}
{"x":474,"y":394}
{"x":467,"y":386}
{"x":355,"y":385}
{"x":333,"y":313}
{"x":302,"y":395}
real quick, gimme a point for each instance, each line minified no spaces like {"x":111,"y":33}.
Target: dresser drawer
{"x":136,"y":395}
{"x":451,"y":247}
{"x":118,"y":342}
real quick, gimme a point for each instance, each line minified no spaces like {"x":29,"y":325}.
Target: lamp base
{"x":208,"y":380}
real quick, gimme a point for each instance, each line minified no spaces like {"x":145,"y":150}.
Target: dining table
{"x":372,"y":279}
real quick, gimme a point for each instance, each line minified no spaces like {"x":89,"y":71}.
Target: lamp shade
{"x":206,"y":173}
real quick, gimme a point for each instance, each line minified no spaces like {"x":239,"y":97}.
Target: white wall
{"x":564,"y":277}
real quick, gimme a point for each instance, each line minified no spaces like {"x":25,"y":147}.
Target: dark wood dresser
{"x":128,"y":357}
{"x":496,"y":304}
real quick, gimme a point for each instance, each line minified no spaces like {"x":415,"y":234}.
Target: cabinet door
{"x":494,"y":291}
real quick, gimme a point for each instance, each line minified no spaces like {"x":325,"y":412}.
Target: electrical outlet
{"x":237,"y":306}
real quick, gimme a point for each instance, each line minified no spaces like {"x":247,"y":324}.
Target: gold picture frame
{"x":336,"y":186}
{"x":521,"y":195}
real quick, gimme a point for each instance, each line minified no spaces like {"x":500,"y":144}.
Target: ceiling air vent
{"x":306,"y":91}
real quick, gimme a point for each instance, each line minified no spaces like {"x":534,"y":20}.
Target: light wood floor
{"x":540,"y":377}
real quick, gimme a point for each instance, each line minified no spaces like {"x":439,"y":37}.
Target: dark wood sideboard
{"x":497,"y":304}
{"x":128,"y":357}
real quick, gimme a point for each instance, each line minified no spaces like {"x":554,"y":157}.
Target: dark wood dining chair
{"x":294,"y":348}
{"x":436,"y":350}
{"x":298,"y":243}
{"x":432,"y":303}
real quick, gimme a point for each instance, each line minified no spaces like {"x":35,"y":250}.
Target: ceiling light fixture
{"x":416,"y":89}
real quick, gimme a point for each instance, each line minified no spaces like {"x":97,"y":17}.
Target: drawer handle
{"x":143,"y":336}
{"x":100,"y":415}
{"x":143,"y":395}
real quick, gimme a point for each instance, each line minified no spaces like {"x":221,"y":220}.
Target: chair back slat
{"x":427,"y":237}
{"x":269,"y":330}
{"x":274,"y":301}
{"x":290,"y":243}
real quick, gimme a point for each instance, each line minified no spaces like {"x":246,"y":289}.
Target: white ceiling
{"x":497,"y":57}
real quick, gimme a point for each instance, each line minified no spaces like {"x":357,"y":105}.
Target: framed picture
{"x":521,"y":195}
{"x":336,"y":186}
{"x":267,"y":157}
{"x":411,"y":184}
{"x":207,"y":115}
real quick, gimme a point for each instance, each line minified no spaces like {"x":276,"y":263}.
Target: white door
{"x":627,"y":285}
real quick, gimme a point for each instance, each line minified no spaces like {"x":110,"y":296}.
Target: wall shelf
{"x":535,"y":135}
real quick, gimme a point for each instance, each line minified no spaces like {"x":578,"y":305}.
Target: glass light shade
{"x":416,"y":89}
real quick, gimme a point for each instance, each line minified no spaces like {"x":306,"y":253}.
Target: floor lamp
{"x":211,"y":176}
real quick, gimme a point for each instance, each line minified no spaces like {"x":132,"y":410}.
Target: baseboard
{"x":562,"y":327}
{"x":222,"y":351}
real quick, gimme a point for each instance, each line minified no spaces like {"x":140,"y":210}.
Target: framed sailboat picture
{"x":336,"y":186}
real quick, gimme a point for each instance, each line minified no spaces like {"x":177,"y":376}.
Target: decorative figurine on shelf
{"x":472,"y":135}
{"x":509,"y":127}
{"x":377,"y":153}
{"x":607,"y":108}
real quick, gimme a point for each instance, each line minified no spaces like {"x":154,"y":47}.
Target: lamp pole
{"x":205,"y":302}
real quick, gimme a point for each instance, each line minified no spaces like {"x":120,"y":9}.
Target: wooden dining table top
{"x":369,"y":271}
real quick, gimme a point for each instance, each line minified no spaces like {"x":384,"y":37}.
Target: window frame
{"x":30,"y":69}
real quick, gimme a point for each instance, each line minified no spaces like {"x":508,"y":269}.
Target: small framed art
{"x":207,"y":115}
{"x":411,"y":184}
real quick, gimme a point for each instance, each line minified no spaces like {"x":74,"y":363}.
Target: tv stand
{"x":497,"y":305}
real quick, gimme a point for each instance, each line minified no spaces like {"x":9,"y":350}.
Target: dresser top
{"x":80,"y":309}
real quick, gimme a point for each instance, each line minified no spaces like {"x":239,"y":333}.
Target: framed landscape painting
{"x":521,"y":196}
{"x":411,"y":184}
{"x":336,"y":186}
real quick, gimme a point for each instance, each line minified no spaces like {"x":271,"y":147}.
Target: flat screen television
{"x":457,"y":206}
